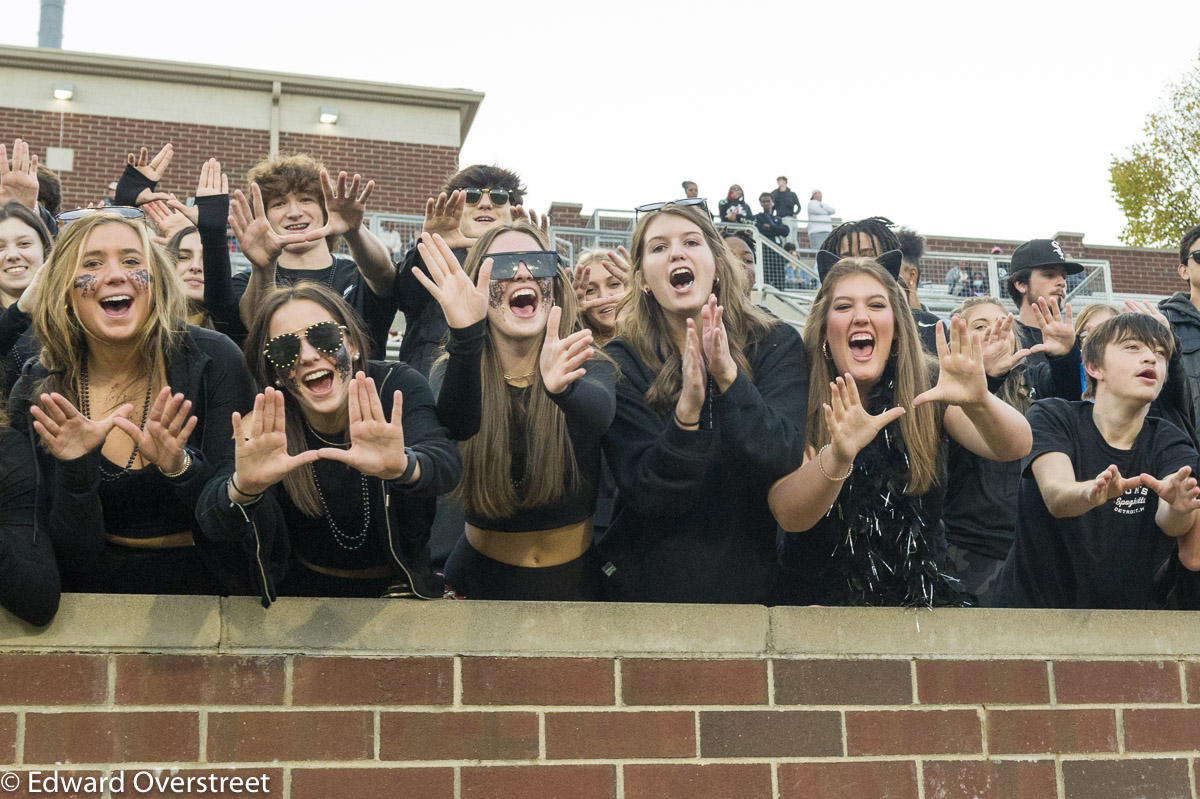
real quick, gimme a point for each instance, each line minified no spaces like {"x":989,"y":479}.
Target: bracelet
{"x":187,"y":464}
{"x":410,"y":468}
{"x":821,"y":466}
{"x":243,"y":493}
{"x":685,"y":425}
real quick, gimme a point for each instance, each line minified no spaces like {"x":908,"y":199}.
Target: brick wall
{"x":459,"y":700}
{"x":405,"y":174}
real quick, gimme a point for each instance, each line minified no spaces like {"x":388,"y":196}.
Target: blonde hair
{"x":63,"y":337}
{"x":551,"y":471}
{"x":642,"y":323}
{"x":1087,"y":313}
{"x":920,"y":426}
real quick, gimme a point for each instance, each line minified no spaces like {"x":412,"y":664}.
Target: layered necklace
{"x":347,"y":541}
{"x":85,"y":407}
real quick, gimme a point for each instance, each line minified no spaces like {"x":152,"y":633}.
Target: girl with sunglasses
{"x":710,"y":412}
{"x":354,"y":463}
{"x":522,"y":387}
{"x":131,"y":409}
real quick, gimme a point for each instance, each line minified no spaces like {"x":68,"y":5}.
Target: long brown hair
{"x":551,"y":471}
{"x":642,"y":323}
{"x":62,"y":336}
{"x":920,"y":426}
{"x":1015,"y":388}
{"x":299,"y":483}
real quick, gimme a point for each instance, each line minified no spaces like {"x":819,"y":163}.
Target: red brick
{"x":990,"y":779}
{"x":53,"y":679}
{"x":843,"y":682}
{"x":108,"y":737}
{"x":913,"y":732}
{"x":713,"y":781}
{"x":85,"y":783}
{"x":267,"y":782}
{"x":1122,"y":779}
{"x":858,"y":780}
{"x":1116,"y":681}
{"x":620,"y":735}
{"x":1162,"y":730}
{"x":540,"y":782}
{"x":367,"y":681}
{"x":322,"y":783}
{"x":538,"y":681}
{"x":291,"y":735}
{"x":694,"y":682}
{"x":495,"y":735}
{"x":198,"y":680}
{"x":770,"y":733}
{"x":977,"y":682}
{"x":8,"y":737}
{"x":1192,"y":672}
{"x":1052,"y":731}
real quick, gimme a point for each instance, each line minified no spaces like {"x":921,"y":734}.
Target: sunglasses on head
{"x":539,"y":264}
{"x":283,"y":351}
{"x":126,"y":211}
{"x":497,"y":196}
{"x":648,"y":207}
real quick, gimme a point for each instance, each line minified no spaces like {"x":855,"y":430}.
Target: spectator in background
{"x":820,"y":218}
{"x":771,"y":227}
{"x":110,"y":197}
{"x":741,"y":244}
{"x":690,"y":189}
{"x":49,"y":190}
{"x":787,"y":206}
{"x":734,"y":207}
{"x":1039,"y":270}
{"x":912,"y":247}
{"x":1182,"y":310}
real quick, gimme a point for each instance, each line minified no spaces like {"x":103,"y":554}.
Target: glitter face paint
{"x":86,"y":285}
{"x":496,"y":293}
{"x":141,"y":277}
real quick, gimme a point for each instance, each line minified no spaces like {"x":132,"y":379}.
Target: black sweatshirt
{"x":424,"y":322}
{"x":29,"y":581}
{"x":206,"y":368}
{"x":17,"y":344}
{"x":691,"y":522}
{"x":587,"y":404}
{"x":401,"y":516}
{"x":220,"y":301}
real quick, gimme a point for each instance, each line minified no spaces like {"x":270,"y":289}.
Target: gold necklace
{"x":520,"y":377}
{"x":323,"y":439}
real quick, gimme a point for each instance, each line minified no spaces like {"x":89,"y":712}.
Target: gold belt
{"x":373,"y":573}
{"x":172,"y":541}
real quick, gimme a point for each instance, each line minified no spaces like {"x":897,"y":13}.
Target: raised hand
{"x":618,"y":265}
{"x":691,"y":394}
{"x":153,"y":169}
{"x":531,"y":216}
{"x":579,"y":282}
{"x":444,"y":215}
{"x":29,"y":297}
{"x":962,"y":380}
{"x":1148,"y":308}
{"x":464,"y":303}
{"x":166,"y":431}
{"x":169,"y":220}
{"x":212,"y":180}
{"x":260,"y":446}
{"x":345,"y":206}
{"x":1109,"y":484}
{"x":1058,"y":330}
{"x":376,"y":444}
{"x":716,"y":344}
{"x":850,"y":426}
{"x":562,"y":359}
{"x":999,"y":352}
{"x":1178,"y":489}
{"x":20,"y":183}
{"x":257,"y":239}
{"x":66,"y":433}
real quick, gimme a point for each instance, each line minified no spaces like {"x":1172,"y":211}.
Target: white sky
{"x":948,"y":116}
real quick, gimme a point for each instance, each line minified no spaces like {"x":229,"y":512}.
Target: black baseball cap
{"x":1042,"y":253}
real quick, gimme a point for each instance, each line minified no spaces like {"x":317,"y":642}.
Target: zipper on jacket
{"x":387,"y":520}
{"x":266,"y":591}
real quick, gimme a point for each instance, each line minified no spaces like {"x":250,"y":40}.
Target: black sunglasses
{"x":127,"y":211}
{"x":647,"y":208}
{"x":283,"y":351}
{"x":497,"y":196}
{"x":1194,"y":257}
{"x":539,"y":264}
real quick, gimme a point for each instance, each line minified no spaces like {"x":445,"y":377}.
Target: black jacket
{"x":744,"y":213}
{"x":691,"y":522}
{"x":29,"y":581}
{"x":786,"y":202}
{"x":206,"y":368}
{"x":424,"y":323}
{"x":407,"y":512}
{"x":770,"y":226}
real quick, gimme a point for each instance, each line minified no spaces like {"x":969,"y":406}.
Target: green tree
{"x":1157,"y":184}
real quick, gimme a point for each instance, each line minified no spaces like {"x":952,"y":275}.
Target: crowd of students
{"x":634,"y":429}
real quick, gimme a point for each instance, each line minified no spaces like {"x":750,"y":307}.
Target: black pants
{"x":476,"y":576}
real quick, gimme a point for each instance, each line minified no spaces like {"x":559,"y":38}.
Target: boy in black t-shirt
{"x":1107,"y":494}
{"x":299,"y":215}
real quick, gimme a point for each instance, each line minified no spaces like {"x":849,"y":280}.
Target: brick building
{"x":407,"y":138}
